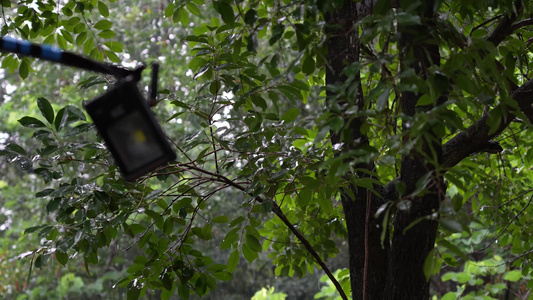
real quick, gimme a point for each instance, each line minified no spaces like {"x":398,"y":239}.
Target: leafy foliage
{"x":266,"y":151}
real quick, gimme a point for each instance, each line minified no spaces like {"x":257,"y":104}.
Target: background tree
{"x":300,"y":127}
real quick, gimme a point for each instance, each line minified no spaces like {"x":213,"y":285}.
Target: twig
{"x":170,"y":205}
{"x":519,"y":257}
{"x":485,"y":23}
{"x":506,"y":226}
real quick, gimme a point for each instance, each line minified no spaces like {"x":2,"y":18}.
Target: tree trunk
{"x":388,"y":269}
{"x":368,"y":258}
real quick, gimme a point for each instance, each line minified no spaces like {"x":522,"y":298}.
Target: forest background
{"x":382,"y":146}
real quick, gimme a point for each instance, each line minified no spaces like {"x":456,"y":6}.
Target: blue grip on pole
{"x":25,"y":47}
{"x":9,"y":43}
{"x":51,"y":53}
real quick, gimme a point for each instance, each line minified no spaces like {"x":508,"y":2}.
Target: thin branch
{"x":279,"y":213}
{"x":506,"y":226}
{"x":164,"y":211}
{"x":277,"y":210}
{"x":484,"y":23}
{"x":519,"y":256}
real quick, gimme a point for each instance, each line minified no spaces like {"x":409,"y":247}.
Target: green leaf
{"x":220,"y":219}
{"x":103,"y":25}
{"x":61,"y":257}
{"x":183,"y":290}
{"x":513,"y":275}
{"x":248,"y":253}
{"x":453,"y":248}
{"x":45,"y":173}
{"x":451,"y":225}
{"x":112,"y":56}
{"x":46,"y":109}
{"x":259,"y":101}
{"x":40,"y":261}
{"x":253,"y":243}
{"x":61,"y":119}
{"x":67,"y":115}
{"x":53,"y":205}
{"x":61,"y":41}
{"x":290,"y":115}
{"x":226,"y":12}
{"x":222,"y":275}
{"x":407,"y":19}
{"x":449,"y":296}
{"x":206,"y":231}
{"x":114,"y":46}
{"x":424,"y":100}
{"x":107,"y":34}
{"x":81,"y":38}
{"x":16,"y":149}
{"x":67,"y":36}
{"x":133,"y":293}
{"x":137,"y":228}
{"x":168,"y":226}
{"x":383,"y":100}
{"x":231,"y":237}
{"x":463,"y":277}
{"x":250,"y":17}
{"x":24,"y":69}
{"x":277,"y":33}
{"x":44,"y":193}
{"x":31,"y":122}
{"x":103,"y":9}
{"x":233,"y":261}
{"x":33,"y":229}
{"x":169,"y":10}
{"x":88,"y":46}
{"x":193,"y":9}
{"x":267,"y":206}
{"x":308,"y":65}
{"x":167,"y":282}
{"x":200,"y":286}
{"x":431,"y":265}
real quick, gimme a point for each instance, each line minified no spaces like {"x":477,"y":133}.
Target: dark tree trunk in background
{"x":410,"y":247}
{"x":392,"y":269}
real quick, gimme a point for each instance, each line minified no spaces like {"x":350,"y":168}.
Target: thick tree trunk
{"x":411,"y":244}
{"x":388,"y":269}
{"x":368,"y":257}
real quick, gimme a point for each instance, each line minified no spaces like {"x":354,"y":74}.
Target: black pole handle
{"x":153,"y":85}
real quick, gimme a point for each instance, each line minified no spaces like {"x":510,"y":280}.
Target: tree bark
{"x":367,"y":257}
{"x":415,"y":228}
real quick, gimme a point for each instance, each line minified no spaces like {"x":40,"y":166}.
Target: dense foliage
{"x":395,"y":133}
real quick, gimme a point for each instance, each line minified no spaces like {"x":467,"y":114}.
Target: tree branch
{"x":505,"y":27}
{"x":521,"y":24}
{"x":476,"y":137}
{"x":278,"y":212}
